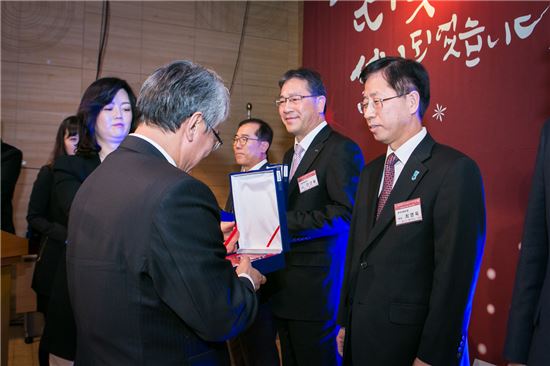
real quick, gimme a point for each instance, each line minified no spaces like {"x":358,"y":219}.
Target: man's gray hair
{"x":177,"y":90}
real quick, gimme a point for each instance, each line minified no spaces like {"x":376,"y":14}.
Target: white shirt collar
{"x":157,"y":146}
{"x":405,"y":151}
{"x":257,"y":166}
{"x":308,"y":139}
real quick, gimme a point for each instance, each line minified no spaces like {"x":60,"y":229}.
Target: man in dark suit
{"x":251,"y":146}
{"x":11,"y":167}
{"x":147,"y":273}
{"x":324,"y":170}
{"x":256,"y":345}
{"x":528,"y":338}
{"x":416,"y":236}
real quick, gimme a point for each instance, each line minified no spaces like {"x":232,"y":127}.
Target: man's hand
{"x":245,"y":267}
{"x":417,"y":362}
{"x":230,"y":235}
{"x":340,"y":340}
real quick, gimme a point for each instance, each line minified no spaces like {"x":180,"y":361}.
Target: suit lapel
{"x":410,"y":177}
{"x":372,"y":191}
{"x":309,"y":157}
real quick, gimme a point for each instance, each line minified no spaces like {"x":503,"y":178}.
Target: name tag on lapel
{"x":308,"y":181}
{"x":408,"y":211}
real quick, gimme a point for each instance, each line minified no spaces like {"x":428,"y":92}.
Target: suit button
{"x":364,"y":265}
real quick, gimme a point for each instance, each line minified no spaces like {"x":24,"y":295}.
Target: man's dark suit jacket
{"x":408,"y":289}
{"x":318,"y":221}
{"x":148,"y":279}
{"x":528,"y":339}
{"x":11,"y":167}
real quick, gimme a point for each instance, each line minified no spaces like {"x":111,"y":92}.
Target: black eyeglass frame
{"x":219,"y":141}
{"x":243,"y":140}
{"x":294,"y":99}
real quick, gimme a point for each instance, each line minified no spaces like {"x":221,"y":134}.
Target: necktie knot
{"x":298,"y":152}
{"x":391,"y":160}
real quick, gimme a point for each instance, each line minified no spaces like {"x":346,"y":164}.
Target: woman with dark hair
{"x":43,"y":219}
{"x":107,"y":113}
{"x":66,"y":139}
{"x":101,"y":132}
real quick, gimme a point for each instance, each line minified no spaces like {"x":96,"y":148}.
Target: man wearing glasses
{"x":256,"y":345}
{"x":250,"y":147}
{"x":416,"y":236}
{"x":324,"y":170}
{"x":146,"y":265}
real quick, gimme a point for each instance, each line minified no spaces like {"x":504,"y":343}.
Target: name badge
{"x":408,"y":211}
{"x":308,"y":181}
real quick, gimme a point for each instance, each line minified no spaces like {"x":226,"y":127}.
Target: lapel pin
{"x":415,"y":174}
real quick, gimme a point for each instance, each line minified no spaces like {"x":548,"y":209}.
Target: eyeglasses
{"x":377,"y":103}
{"x":219,"y":141}
{"x":294,"y":100}
{"x":242,"y":140}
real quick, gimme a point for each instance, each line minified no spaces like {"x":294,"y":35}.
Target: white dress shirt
{"x":157,"y":146}
{"x":403,"y":153}
{"x":255,"y":167}
{"x":308,"y":139}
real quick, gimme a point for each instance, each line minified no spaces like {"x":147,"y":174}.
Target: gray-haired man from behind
{"x":147,"y":273}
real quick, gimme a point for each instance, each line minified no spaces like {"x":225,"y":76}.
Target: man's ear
{"x":265,"y":146}
{"x":191,"y":125}
{"x":321,"y":102}
{"x":413,"y":101}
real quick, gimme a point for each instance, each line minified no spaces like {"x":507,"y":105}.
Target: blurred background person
{"x":250,"y":147}
{"x":528,"y":337}
{"x":256,"y":345}
{"x":106,"y":115}
{"x":46,"y":235}
{"x":11,"y":167}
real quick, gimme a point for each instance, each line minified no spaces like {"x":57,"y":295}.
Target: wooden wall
{"x":49,"y":56}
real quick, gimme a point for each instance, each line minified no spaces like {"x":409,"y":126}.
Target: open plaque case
{"x":259,"y":199}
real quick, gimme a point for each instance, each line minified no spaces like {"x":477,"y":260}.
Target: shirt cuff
{"x":249,"y":278}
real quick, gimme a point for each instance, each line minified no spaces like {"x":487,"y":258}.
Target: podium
{"x":13,"y":247}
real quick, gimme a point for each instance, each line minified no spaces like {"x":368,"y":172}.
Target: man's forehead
{"x":295,"y":84}
{"x":248,"y":128}
{"x":375,"y":84}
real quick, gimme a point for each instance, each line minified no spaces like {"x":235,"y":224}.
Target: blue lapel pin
{"x":415,"y":174}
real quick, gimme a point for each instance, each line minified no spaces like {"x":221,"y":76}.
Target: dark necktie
{"x":389,"y":172}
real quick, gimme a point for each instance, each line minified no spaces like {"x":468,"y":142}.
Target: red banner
{"x":489,"y":65}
